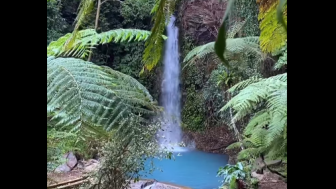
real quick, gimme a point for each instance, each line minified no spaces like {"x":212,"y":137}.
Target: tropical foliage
{"x":95,"y":95}
{"x":236,"y":47}
{"x":162,"y":11}
{"x":261,"y":100}
{"x":55,"y":23}
{"x":266,"y":132}
{"x":81,"y":94}
{"x":232,"y":174}
{"x":87,"y":39}
{"x":273,"y":35}
{"x":86,"y":102}
{"x":126,"y":154}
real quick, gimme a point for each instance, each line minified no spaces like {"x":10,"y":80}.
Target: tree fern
{"x":86,"y":39}
{"x":267,"y":130}
{"x":83,"y":95}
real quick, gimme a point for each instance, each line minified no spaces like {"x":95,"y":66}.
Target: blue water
{"x":194,"y":169}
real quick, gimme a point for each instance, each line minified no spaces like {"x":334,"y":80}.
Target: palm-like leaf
{"x":86,"y":39}
{"x":81,"y":94}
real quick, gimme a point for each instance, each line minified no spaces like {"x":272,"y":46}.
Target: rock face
{"x":71,"y":162}
{"x":213,"y":140}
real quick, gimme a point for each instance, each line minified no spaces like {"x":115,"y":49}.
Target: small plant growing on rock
{"x":233,"y":176}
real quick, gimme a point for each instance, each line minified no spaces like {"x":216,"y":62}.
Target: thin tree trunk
{"x":235,"y":128}
{"x":96,"y":24}
{"x":233,"y":123}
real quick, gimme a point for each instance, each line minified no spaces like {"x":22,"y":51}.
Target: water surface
{"x":194,"y":169}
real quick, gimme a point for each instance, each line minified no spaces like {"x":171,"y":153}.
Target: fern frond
{"x":250,"y":153}
{"x":268,"y":127}
{"x":273,"y":35}
{"x":260,"y":120}
{"x":89,"y":38}
{"x":162,"y":10}
{"x":85,"y":8}
{"x":242,"y":85}
{"x":82,"y":94}
{"x":278,"y":149}
{"x":282,"y":61}
{"x":235,"y":145}
{"x":235,"y":29}
{"x":248,"y":45}
{"x":199,"y":53}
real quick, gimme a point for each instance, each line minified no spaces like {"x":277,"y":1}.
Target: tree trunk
{"x":233,"y":123}
{"x":96,"y":24}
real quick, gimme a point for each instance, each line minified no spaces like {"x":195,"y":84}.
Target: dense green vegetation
{"x":90,"y":105}
{"x":103,"y":81}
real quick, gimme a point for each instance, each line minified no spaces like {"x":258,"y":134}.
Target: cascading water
{"x":171,"y":95}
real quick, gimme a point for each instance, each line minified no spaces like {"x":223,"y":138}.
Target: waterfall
{"x":171,"y":93}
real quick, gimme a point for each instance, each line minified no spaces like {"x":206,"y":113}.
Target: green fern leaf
{"x":248,"y":46}
{"x":87,"y":39}
{"x":81,"y":94}
{"x":282,"y":61}
{"x":267,"y":130}
{"x":273,"y":35}
{"x":162,"y":11}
